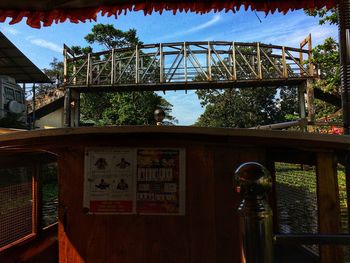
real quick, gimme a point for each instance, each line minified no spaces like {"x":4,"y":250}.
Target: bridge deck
{"x":188,"y":85}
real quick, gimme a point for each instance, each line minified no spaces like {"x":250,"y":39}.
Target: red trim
{"x":37,"y":19}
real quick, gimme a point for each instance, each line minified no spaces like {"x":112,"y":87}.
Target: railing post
{"x":209,"y":61}
{"x":161,"y":64}
{"x":113,"y":67}
{"x":185,"y":61}
{"x":253,"y":182}
{"x":65,"y":65}
{"x":234,"y":73}
{"x":88,"y":70}
{"x":137,"y":58}
{"x":284,"y":63}
{"x":259,"y":60}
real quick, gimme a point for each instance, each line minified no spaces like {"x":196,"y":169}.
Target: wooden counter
{"x":208,"y":232}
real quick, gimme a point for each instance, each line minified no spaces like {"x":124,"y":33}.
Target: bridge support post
{"x":344,"y":41}
{"x":310,"y":103}
{"x":254,"y":182}
{"x":301,"y":100}
{"x":67,"y":109}
{"x":75,"y":108}
{"x":71,"y":108}
{"x":302,"y":107}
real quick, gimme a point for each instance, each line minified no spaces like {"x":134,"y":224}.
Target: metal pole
{"x":253,"y":182}
{"x":344,"y":42}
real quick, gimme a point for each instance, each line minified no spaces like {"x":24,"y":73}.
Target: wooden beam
{"x":328,"y":205}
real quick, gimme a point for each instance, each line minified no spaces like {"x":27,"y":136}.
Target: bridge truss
{"x":187,"y":65}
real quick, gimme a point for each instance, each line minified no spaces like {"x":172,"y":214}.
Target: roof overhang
{"x":15,"y":64}
{"x":45,"y":12}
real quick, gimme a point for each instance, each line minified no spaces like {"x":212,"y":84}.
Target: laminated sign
{"x":134,"y":181}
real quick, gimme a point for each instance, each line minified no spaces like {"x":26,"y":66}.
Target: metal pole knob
{"x":159,"y":116}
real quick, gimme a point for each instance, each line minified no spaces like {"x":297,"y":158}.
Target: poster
{"x":160,"y":188}
{"x":134,"y":181}
{"x":109,"y":181}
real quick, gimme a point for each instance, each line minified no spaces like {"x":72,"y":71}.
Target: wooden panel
{"x":200,"y":204}
{"x":139,"y":238}
{"x":226,"y":204}
{"x":328,"y":205}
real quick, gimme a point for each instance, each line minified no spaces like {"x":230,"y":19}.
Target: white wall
{"x":52,"y":120}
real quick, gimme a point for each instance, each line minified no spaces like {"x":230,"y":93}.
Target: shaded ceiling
{"x":46,"y":12}
{"x":15,"y":64}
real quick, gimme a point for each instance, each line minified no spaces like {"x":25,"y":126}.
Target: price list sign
{"x":160,"y":181}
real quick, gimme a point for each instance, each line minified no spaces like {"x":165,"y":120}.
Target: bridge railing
{"x":184,"y":62}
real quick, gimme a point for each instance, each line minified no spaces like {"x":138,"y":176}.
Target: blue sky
{"x":41,"y":45}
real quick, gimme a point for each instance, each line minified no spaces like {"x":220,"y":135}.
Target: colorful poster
{"x":160,"y":181}
{"x":131,"y":180}
{"x":109,"y":180}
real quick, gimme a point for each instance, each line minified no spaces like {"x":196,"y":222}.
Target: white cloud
{"x":10,"y":30}
{"x":293,"y":39}
{"x":45,"y":44}
{"x":207,"y":24}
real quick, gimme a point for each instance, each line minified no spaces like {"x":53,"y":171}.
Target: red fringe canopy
{"x":45,"y":12}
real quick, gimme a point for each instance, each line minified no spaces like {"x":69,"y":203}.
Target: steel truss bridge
{"x":188,"y":65}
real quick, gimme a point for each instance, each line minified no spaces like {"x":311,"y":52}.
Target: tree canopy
{"x":132,"y":108}
{"x":247,"y":107}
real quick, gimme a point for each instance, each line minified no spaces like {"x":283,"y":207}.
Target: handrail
{"x":312,"y":239}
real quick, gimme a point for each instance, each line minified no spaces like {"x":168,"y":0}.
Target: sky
{"x":42,"y":45}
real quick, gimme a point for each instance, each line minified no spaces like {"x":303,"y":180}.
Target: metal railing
{"x":257,"y":239}
{"x":184,"y":62}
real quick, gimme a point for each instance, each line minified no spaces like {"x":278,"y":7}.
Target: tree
{"x":124,"y":108}
{"x":119,"y":108}
{"x":326,"y":16}
{"x":110,"y":37}
{"x":244,"y":108}
{"x":247,"y":107}
{"x":326,"y":57}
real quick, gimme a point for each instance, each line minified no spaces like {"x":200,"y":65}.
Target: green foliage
{"x":242,"y":108}
{"x":110,"y":37}
{"x":248,"y":107}
{"x":78,"y":50}
{"x":326,"y":57}
{"x":326,"y":16}
{"x":132,"y":108}
{"x":55,"y":74}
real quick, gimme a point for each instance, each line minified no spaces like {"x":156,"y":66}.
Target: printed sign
{"x":131,"y":180}
{"x":109,"y":185}
{"x":159,"y":189}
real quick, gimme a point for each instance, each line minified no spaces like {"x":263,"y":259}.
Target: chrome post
{"x":253,"y":182}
